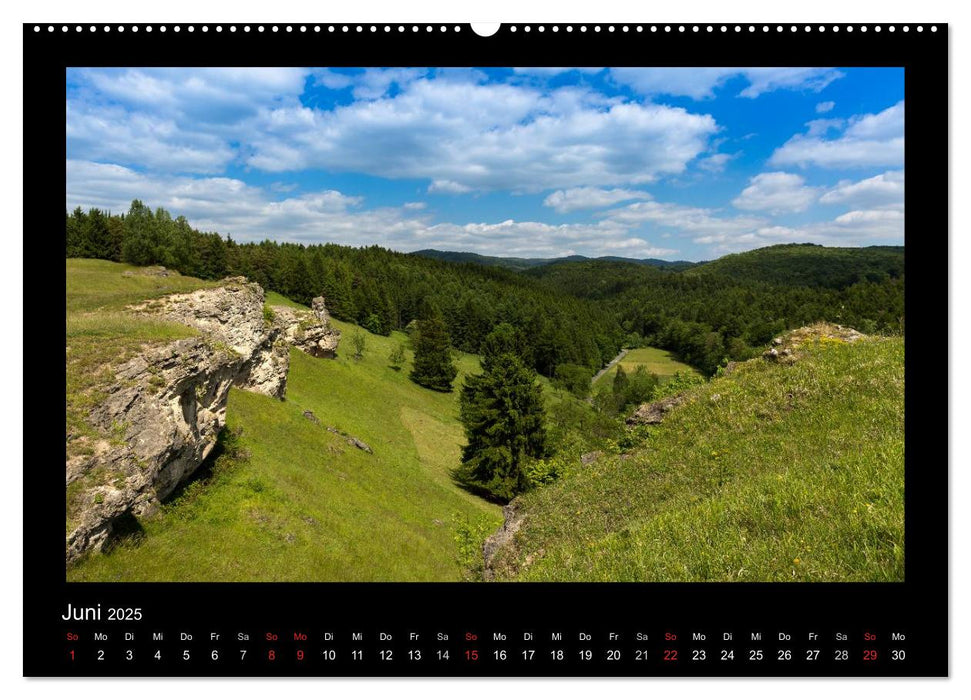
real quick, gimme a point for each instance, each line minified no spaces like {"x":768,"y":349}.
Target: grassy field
{"x":655,"y":360}
{"x":772,"y":473}
{"x":291,"y":501}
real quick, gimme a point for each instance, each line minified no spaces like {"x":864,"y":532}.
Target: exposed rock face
{"x":166,"y":406}
{"x":309,"y":330}
{"x":653,"y":413}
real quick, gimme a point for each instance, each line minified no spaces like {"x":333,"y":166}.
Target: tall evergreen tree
{"x":503,"y":415}
{"x":432,"y":367}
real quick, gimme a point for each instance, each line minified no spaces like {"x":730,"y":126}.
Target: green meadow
{"x":288,"y":500}
{"x":660,"y":362}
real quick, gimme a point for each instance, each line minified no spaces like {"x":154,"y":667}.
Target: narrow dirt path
{"x":610,"y":364}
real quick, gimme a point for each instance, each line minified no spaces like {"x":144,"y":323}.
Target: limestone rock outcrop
{"x":653,"y":413}
{"x":165,"y":407}
{"x":309,"y":331}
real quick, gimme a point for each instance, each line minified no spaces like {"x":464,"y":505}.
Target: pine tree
{"x":503,"y":415}
{"x":433,"y":366}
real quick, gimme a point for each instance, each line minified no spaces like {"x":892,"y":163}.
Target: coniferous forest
{"x":568,"y":317}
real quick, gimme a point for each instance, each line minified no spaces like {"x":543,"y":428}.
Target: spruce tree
{"x":432,"y":366}
{"x":503,"y":415}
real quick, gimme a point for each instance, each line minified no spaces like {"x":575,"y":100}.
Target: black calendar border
{"x":918,"y":606}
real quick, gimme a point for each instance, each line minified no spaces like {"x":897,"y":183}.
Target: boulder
{"x":654,"y":412}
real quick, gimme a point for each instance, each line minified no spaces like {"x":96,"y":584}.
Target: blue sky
{"x":675,"y":163}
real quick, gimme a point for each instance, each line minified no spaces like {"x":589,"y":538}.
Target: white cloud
{"x":485,"y":137}
{"x":446,"y":125}
{"x":700,"y":83}
{"x":879,"y":192}
{"x":824,"y":107}
{"x":212,"y":95}
{"x":854,"y":228}
{"x":821,"y":127}
{"x":776,"y":193}
{"x":249,"y":213}
{"x":447,"y":187}
{"x":869,"y":140}
{"x":414,"y":206}
{"x":692,"y":220}
{"x":716,"y":162}
{"x":152,"y":141}
{"x":575,"y":198}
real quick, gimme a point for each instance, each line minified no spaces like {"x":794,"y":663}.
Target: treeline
{"x":376,"y":288}
{"x":708,"y":318}
{"x":570,"y":318}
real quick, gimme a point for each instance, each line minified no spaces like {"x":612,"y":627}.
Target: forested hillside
{"x":709,"y":317}
{"x":810,"y":265}
{"x":568,"y":315}
{"x":376,"y":288}
{"x":527,"y":263}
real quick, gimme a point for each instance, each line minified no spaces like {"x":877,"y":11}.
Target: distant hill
{"x":519,"y":264}
{"x":809,"y":265}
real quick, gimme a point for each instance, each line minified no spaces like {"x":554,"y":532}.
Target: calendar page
{"x":535,"y":350}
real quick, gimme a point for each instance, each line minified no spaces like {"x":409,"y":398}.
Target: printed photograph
{"x":485,"y":324}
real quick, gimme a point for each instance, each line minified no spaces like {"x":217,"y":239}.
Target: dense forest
{"x":712,"y":313}
{"x":376,"y":288}
{"x":572,"y":315}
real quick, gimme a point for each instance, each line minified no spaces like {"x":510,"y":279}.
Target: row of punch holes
{"x":374,"y":28}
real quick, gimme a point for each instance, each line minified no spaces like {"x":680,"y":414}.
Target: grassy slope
{"x":770,"y":474}
{"x":307,"y":506}
{"x":661,"y":362}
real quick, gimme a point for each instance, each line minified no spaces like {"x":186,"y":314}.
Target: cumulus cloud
{"x":716,"y":162}
{"x":868,"y":140}
{"x":725,"y":234}
{"x":486,"y":137}
{"x":823,"y":107}
{"x":447,"y":125}
{"x":692,"y":220}
{"x":249,"y":213}
{"x":879,"y":192}
{"x":776,"y":193}
{"x":700,"y":83}
{"x":575,"y":198}
{"x":854,"y":228}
